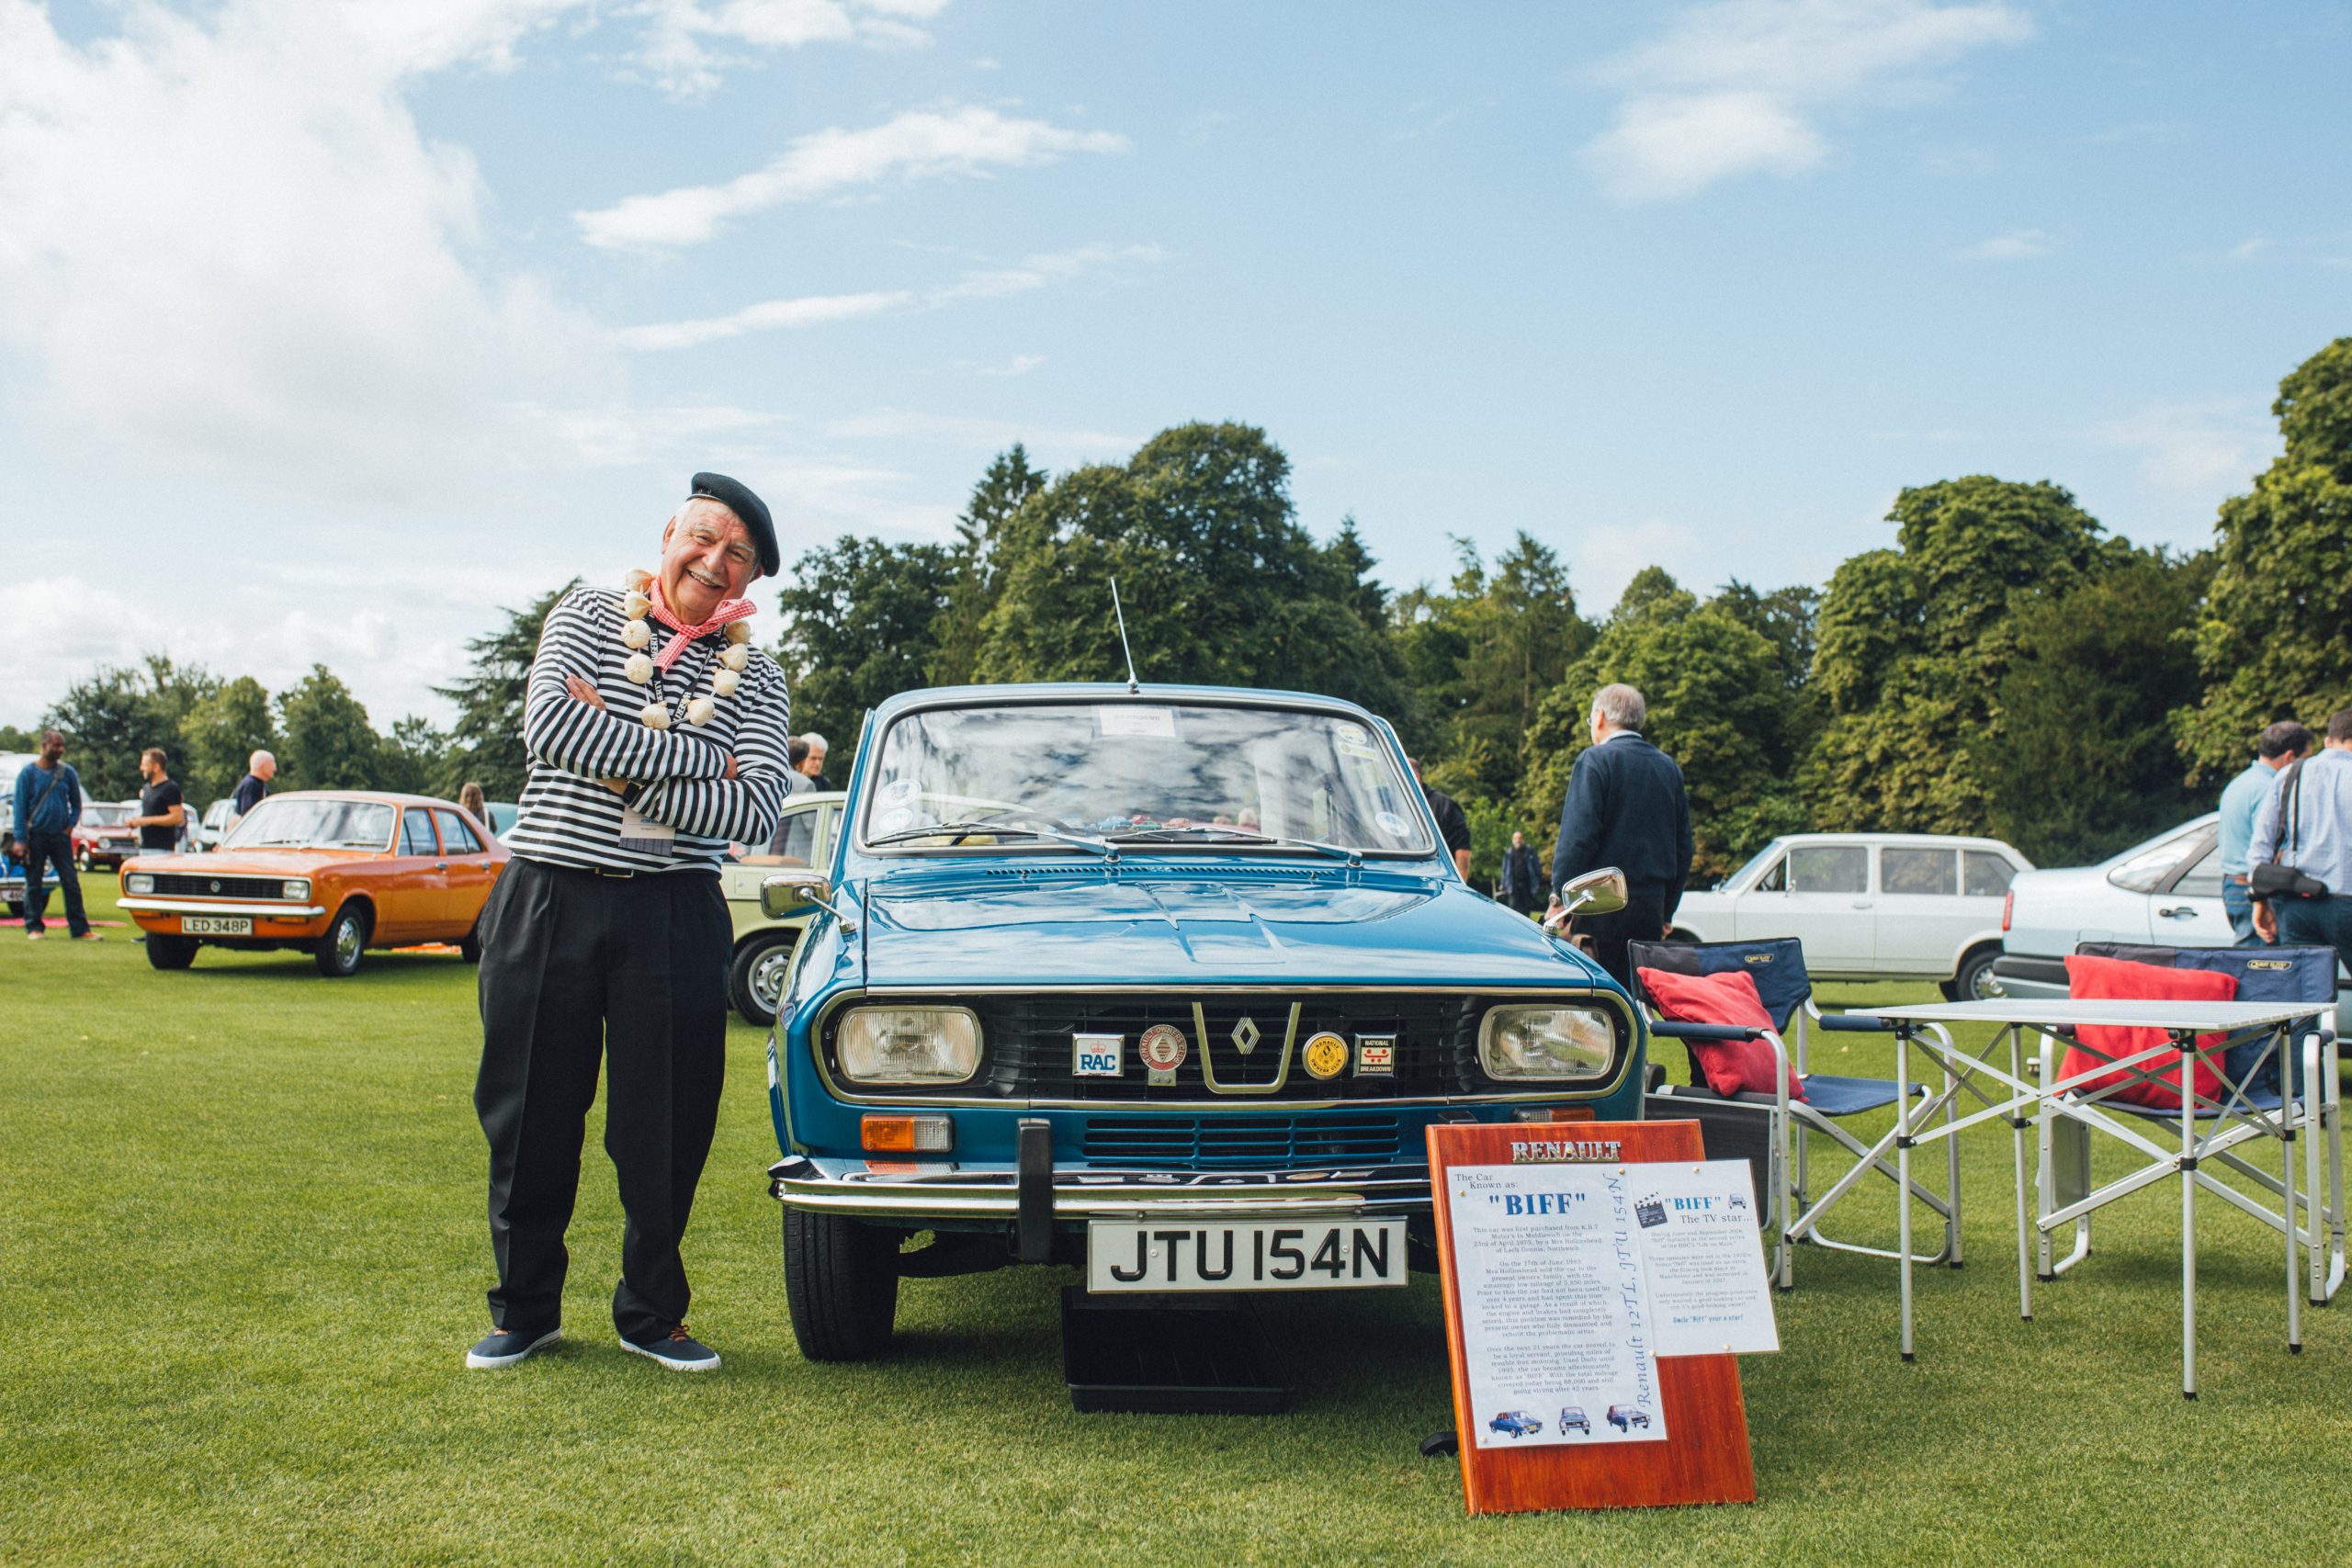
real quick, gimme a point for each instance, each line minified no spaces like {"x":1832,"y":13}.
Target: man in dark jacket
{"x":46,"y":806}
{"x":1625,"y":807}
{"x":1523,"y":876}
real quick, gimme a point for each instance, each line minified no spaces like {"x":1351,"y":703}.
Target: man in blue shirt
{"x":49,"y":803}
{"x":2306,"y":822}
{"x":2284,"y":742}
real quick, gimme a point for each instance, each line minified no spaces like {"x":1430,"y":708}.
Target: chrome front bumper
{"x":154,"y":905}
{"x":994,"y":1192}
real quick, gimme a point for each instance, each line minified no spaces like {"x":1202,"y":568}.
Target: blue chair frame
{"x":1777,"y":965}
{"x":2294,"y":1099}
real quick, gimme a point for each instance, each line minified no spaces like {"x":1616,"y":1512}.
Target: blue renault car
{"x":1161,"y":982}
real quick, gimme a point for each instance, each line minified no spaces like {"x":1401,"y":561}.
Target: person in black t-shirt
{"x":161,"y":812}
{"x":1452,"y":825}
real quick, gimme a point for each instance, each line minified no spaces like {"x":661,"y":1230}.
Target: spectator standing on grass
{"x":1625,"y":807}
{"x":162,"y":815}
{"x":1452,"y":825}
{"x":813,"y":765}
{"x":2306,"y":822}
{"x":254,"y":788}
{"x":795,"y":774}
{"x":2278,"y":747}
{"x":476,"y":803}
{"x":604,"y":942}
{"x":48,"y":803}
{"x":1523,"y":876}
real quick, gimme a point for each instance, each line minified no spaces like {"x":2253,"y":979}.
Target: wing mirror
{"x":782,"y":895}
{"x":1598,"y":892}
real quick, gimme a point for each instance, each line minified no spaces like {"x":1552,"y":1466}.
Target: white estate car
{"x":1869,"y":906}
{"x":2165,"y":892}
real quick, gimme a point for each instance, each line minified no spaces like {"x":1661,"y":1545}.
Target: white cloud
{"x":918,"y":144}
{"x":1608,"y":556}
{"x":686,"y":43}
{"x":818,"y":309}
{"x":1734,"y":87}
{"x":1019,"y":365}
{"x":2020,"y":245}
{"x":2248,"y":250}
{"x":228,"y":253}
{"x":2197,"y":453}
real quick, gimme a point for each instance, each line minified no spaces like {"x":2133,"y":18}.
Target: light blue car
{"x":1095,"y":972}
{"x":1518,"y":1423}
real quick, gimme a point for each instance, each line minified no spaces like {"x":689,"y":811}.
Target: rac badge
{"x":1163,"y":1048}
{"x":1096,"y":1056}
{"x":1326,"y":1055}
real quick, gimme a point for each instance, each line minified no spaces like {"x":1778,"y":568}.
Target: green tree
{"x":1913,"y":643}
{"x":14,"y":738}
{"x":113,"y":716}
{"x":2087,"y":763}
{"x":221,"y":732}
{"x":1220,"y":582}
{"x":2271,"y":642}
{"x":961,"y":630}
{"x":486,"y":743}
{"x":414,"y":758}
{"x":329,"y":743}
{"x":859,"y":616}
{"x":1717,"y":704}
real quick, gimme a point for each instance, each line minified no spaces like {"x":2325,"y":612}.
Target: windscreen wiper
{"x":1237,"y":835}
{"x":957,"y":832}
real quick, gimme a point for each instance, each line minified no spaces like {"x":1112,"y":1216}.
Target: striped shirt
{"x":567,"y":817}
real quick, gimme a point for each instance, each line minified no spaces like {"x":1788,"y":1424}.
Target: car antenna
{"x":1133,"y":685}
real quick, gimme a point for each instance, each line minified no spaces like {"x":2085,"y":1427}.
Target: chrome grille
{"x":1243,"y":1143}
{"x":187,"y":885}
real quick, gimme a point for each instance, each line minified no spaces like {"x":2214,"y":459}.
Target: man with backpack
{"x":2302,"y":850}
{"x":49,"y":803}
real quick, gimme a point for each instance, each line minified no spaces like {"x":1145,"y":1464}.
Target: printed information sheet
{"x":1708,"y":1290}
{"x":1555,"y":1310}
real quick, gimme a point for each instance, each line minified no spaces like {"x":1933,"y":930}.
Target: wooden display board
{"x":1704,"y":1457}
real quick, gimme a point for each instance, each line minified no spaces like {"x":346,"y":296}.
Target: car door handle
{"x":440,"y":865}
{"x":2181,"y":913}
{"x":1861,"y":903}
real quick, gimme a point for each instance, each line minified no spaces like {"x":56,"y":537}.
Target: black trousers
{"x":1642,"y":920}
{"x":57,"y":848}
{"x":577,"y":968}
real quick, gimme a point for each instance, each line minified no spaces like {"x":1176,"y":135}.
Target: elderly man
{"x":254,"y":788}
{"x":656,"y":736}
{"x":1625,"y":807}
{"x":813,"y":764}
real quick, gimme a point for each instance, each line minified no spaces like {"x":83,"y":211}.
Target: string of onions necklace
{"x":641,"y":595}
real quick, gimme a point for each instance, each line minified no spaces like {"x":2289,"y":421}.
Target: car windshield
{"x":289,"y":822}
{"x":1755,"y":864}
{"x":106,"y":816}
{"x":1062,"y":775}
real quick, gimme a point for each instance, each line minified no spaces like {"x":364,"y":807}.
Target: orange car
{"x":331,"y":872}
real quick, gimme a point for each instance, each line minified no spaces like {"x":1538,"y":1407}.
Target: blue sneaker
{"x":678,"y":1350}
{"x":506,"y":1347}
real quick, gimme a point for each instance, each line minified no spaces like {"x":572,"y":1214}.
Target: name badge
{"x":644,"y":837}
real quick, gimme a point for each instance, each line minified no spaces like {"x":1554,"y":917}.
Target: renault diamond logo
{"x":1245,"y":1035}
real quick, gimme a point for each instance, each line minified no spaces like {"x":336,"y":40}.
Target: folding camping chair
{"x":2291,"y":1096}
{"x":1782,"y":1163}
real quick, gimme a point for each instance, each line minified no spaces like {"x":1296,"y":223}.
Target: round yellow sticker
{"x":1326,"y":1055}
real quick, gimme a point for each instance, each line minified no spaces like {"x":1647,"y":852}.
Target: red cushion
{"x":1730,"y":1067}
{"x":2114,"y":979}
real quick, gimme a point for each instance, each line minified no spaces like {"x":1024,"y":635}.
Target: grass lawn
{"x":242,"y":1252}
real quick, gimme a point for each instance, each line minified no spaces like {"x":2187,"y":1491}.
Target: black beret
{"x":737,"y":497}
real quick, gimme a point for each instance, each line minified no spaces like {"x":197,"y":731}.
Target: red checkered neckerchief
{"x":728,"y":610}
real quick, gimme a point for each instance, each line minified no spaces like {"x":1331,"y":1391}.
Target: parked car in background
{"x":215,"y":823}
{"x":502,"y":816}
{"x":103,"y":837}
{"x":764,"y":947}
{"x":331,"y":873}
{"x":2165,"y":892}
{"x":1869,"y":906}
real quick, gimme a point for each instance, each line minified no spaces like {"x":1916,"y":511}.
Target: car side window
{"x":1775,"y":880}
{"x":459,"y":839}
{"x":1910,"y":869}
{"x":2203,"y":880}
{"x":1984,"y":875}
{"x":795,"y":836}
{"x":416,"y":833}
{"x":1829,"y":868}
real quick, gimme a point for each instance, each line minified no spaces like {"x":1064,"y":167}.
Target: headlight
{"x":908,"y":1045}
{"x":139,"y":882}
{"x":294,"y":887}
{"x":1547,"y":1043}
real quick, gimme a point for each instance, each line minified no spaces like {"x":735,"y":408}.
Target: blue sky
{"x":325,"y":329}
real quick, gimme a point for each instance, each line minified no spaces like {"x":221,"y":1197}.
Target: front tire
{"x":339,"y":951}
{"x":756,"y":982}
{"x":171,"y":952}
{"x":1974,"y":983}
{"x":841,"y":1280}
